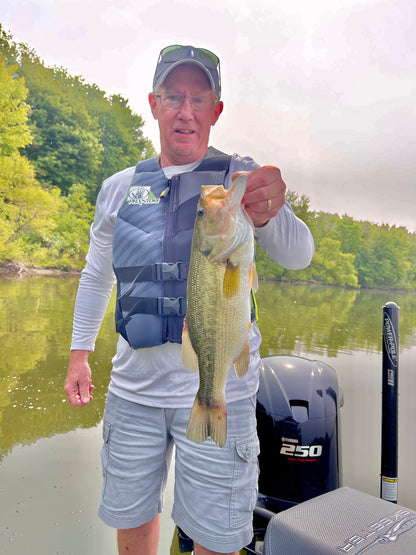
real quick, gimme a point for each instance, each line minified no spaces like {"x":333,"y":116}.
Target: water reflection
{"x":35,"y":331}
{"x":51,"y":487}
{"x":328,"y":320}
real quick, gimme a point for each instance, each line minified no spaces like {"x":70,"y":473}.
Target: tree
{"x":348,"y":232}
{"x":25,"y":210}
{"x":14,"y":132}
{"x":80,"y":135}
{"x":331,"y":265}
{"x":68,"y":244}
{"x":65,"y":148}
{"x":300,"y":206}
{"x":121,"y":134}
{"x":25,"y":207}
{"x":388,"y":259}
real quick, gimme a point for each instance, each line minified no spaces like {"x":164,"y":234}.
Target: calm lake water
{"x":50,"y":474}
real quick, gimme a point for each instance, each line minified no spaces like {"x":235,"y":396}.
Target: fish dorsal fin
{"x":189,"y":356}
{"x":216,"y":192}
{"x":237,"y":189}
{"x":241,"y":364}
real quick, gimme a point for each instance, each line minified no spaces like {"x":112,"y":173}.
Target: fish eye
{"x":200,"y":212}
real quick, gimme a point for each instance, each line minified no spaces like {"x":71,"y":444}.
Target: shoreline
{"x":12,"y":270}
{"x":18,"y":269}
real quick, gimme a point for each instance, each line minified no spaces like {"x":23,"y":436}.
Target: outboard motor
{"x":298,"y":428}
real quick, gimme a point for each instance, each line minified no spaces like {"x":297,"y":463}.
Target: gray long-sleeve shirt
{"x":157,"y":376}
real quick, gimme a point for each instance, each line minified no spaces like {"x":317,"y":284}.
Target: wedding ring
{"x":269,"y":204}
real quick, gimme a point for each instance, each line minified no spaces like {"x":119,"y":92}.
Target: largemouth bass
{"x":216,"y":329}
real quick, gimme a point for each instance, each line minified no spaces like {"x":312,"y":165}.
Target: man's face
{"x":184,"y":132}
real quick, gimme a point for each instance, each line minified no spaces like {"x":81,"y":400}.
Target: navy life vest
{"x":152,"y":246}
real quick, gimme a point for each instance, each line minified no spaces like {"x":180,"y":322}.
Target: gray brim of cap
{"x":164,"y":74}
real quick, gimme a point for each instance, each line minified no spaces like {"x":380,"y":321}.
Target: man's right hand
{"x":78,"y":384}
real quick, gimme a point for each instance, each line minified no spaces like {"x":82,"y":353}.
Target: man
{"x":143,"y":230}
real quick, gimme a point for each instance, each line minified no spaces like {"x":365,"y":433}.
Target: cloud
{"x":325,"y":90}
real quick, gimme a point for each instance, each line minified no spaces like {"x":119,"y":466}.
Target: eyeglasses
{"x":173,"y":101}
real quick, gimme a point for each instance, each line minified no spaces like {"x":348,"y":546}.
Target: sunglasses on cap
{"x":177,"y":52}
{"x":173,"y":55}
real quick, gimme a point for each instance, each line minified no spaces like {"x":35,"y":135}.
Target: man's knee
{"x":143,"y":540}
{"x":199,"y":550}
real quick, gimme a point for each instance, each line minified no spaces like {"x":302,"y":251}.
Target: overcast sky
{"x":325,"y":90}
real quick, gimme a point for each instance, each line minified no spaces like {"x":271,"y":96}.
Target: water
{"x":50,"y":475}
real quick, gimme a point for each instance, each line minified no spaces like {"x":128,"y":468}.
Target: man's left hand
{"x":265,"y":194}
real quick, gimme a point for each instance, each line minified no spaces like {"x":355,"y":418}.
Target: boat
{"x":302,"y":506}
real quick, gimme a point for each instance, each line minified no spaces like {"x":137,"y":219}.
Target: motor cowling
{"x":298,"y":428}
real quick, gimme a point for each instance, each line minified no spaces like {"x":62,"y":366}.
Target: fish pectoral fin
{"x":208,"y":421}
{"x":254,"y":278}
{"x":231,"y":281}
{"x":189,"y":356}
{"x":241,"y":364}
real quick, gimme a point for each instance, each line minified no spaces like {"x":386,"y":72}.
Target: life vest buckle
{"x":171,"y":306}
{"x":166,"y":271}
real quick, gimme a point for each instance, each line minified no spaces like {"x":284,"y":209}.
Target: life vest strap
{"x":160,"y":271}
{"x":158,"y":306}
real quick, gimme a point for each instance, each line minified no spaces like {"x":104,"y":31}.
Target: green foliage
{"x":79,"y":134}
{"x":61,"y":137}
{"x":25,"y":206}
{"x":349,"y":233}
{"x":25,"y":209}
{"x":121,"y":137}
{"x":387,"y":258}
{"x":331,"y":265}
{"x":349,"y":253}
{"x":14,"y":133}
{"x":69,"y":243}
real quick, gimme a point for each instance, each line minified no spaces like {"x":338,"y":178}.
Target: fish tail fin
{"x":207,"y":422}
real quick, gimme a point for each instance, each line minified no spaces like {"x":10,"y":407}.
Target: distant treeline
{"x":350,"y":253}
{"x":61,"y":137}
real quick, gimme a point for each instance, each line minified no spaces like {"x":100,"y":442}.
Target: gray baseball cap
{"x":172,"y":56}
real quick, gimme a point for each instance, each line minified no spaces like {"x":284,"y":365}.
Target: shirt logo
{"x":140,"y":194}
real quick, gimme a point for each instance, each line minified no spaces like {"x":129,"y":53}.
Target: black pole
{"x":389,"y":417}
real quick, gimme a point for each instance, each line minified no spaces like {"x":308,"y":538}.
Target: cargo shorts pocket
{"x":105,"y":452}
{"x":245,"y":481}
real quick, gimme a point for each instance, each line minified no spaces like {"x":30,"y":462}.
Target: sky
{"x":324,"y":90}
